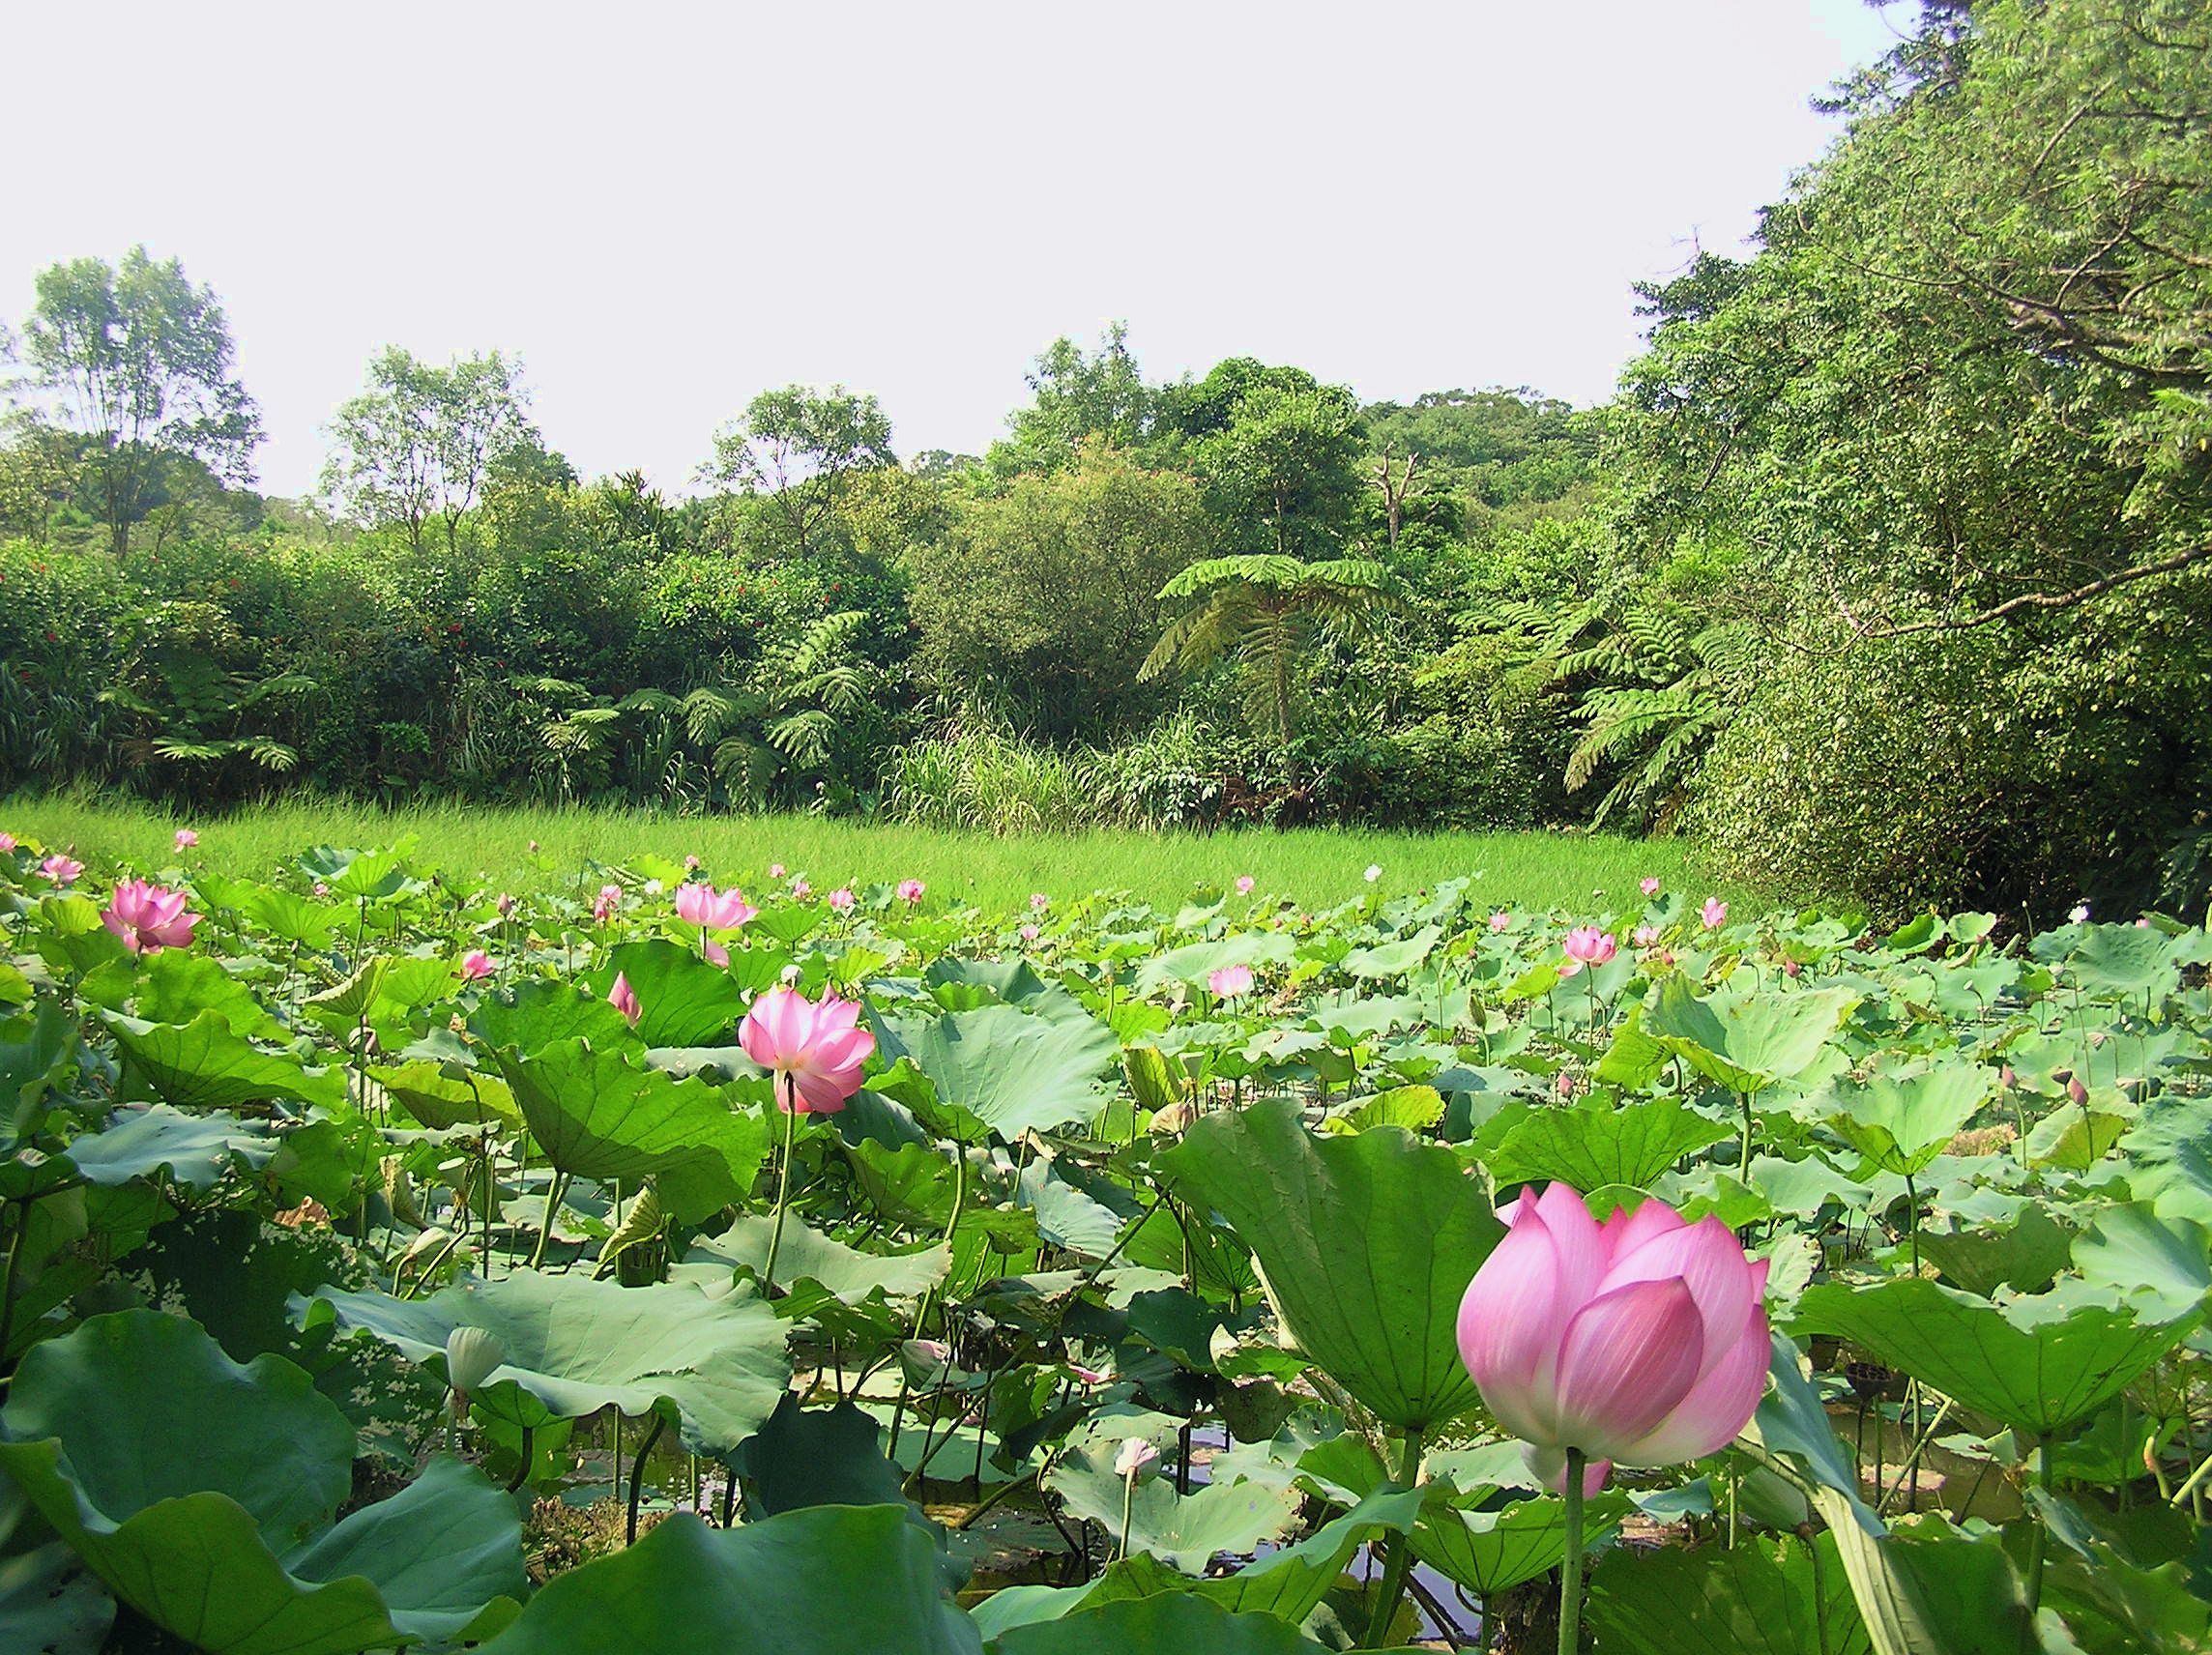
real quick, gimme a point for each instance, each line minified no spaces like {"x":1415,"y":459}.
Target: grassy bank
{"x":1314,"y":867}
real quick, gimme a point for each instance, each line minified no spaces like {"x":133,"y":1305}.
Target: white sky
{"x":665,"y":208}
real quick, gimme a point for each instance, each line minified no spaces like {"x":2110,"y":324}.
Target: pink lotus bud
{"x":1640,"y":1341}
{"x":712,"y":952}
{"x":1029,"y":933}
{"x":321,"y":890}
{"x":1244,"y":883}
{"x":1231,"y":982}
{"x":148,"y":918}
{"x":691,"y":864}
{"x":623,"y":999}
{"x":505,"y":905}
{"x":610,"y":899}
{"x":1791,"y":968}
{"x":1090,"y":1376}
{"x":1715,"y":913}
{"x":801,"y":891}
{"x":2076,"y":1091}
{"x":7,"y":844}
{"x":1134,"y":1456}
{"x":475,"y":965}
{"x":816,"y":1051}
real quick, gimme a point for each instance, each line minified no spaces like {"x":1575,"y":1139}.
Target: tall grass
{"x":987,"y":778}
{"x":1314,"y":867}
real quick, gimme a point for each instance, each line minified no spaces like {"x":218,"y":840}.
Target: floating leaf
{"x":1588,"y":1147}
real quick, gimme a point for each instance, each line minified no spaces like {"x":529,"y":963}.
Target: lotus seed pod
{"x":471,"y":1355}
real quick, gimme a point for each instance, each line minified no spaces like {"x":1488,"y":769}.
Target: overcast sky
{"x":664,"y":209}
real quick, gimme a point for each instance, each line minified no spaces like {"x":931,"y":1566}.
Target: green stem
{"x":14,"y":1267}
{"x":783,"y":1186}
{"x":2036,"y":1538}
{"x":1128,"y":1497}
{"x":1744,"y":1168}
{"x":637,"y":1475}
{"x":522,"y":1465}
{"x":555,"y":1192}
{"x":1398,"y":1560}
{"x":1571,"y":1564}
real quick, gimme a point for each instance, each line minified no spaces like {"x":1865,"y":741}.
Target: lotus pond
{"x":391,"y":1262}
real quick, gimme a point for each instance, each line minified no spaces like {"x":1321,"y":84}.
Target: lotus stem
{"x":2196,"y":1481}
{"x":1571,"y":1564}
{"x":2036,"y":1539}
{"x":1398,"y":1558}
{"x":637,"y":1475}
{"x":555,"y":1193}
{"x":522,"y":1465}
{"x":783,"y":1186}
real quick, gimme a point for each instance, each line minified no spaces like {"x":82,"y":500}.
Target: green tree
{"x":137,"y":359}
{"x":1278,"y":450}
{"x":1080,"y":399}
{"x":798,"y":448}
{"x":1043,"y":598}
{"x":1263,"y":612}
{"x":420,"y":441}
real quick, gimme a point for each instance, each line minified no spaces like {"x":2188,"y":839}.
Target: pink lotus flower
{"x":712,"y":952}
{"x":1649,"y":884}
{"x":505,"y":905}
{"x":1587,"y":946}
{"x":841,"y":899}
{"x":1715,"y":913}
{"x":475,"y":965}
{"x":1500,"y":920}
{"x":815,"y":1051}
{"x":801,"y":891}
{"x":1090,"y":1376}
{"x":1244,"y":883}
{"x":321,"y":890}
{"x":61,"y":869}
{"x":1029,"y":933}
{"x":691,"y":864}
{"x":1647,"y":936}
{"x":775,"y":870}
{"x":187,"y":838}
{"x":1640,"y":1341}
{"x":911,"y":889}
{"x":711,"y":911}
{"x":610,"y":899}
{"x":7,"y":843}
{"x":1133,"y":1456}
{"x":1038,"y":902}
{"x":148,"y":918}
{"x":1229,"y":981}
{"x":623,"y":999}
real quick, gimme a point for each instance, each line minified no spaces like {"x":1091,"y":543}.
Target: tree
{"x":799,"y":447}
{"x":136,"y":358}
{"x":1274,"y":446}
{"x":420,"y":442}
{"x":1080,"y":399}
{"x":1044,"y":597}
{"x":1263,"y":612}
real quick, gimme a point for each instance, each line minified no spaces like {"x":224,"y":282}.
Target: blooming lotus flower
{"x":1587,"y":946}
{"x":1640,"y":1341}
{"x":1647,"y":936}
{"x":911,"y":889}
{"x":1244,"y":883}
{"x":1038,"y":902}
{"x":712,"y":952}
{"x":711,"y":911}
{"x":654,"y":887}
{"x":691,"y":864}
{"x":321,"y":890}
{"x":1029,"y":933}
{"x":623,"y":999}
{"x":1229,"y":981}
{"x":775,"y":870}
{"x":475,"y":965}
{"x":61,"y":869}
{"x":1500,"y":920}
{"x":1373,"y":872}
{"x":1133,"y":1456}
{"x":187,"y":838}
{"x":815,"y":1050}
{"x":1649,"y":884}
{"x":148,"y":918}
{"x":7,"y":843}
{"x":841,"y":899}
{"x":2078,"y":914}
{"x":610,"y":899}
{"x":801,"y":891}
{"x":1715,"y":913}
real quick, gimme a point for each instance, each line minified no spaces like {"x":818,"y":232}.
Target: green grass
{"x":1314,"y":867}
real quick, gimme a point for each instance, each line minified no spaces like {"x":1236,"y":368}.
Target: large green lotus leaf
{"x":1613,"y":1144}
{"x":1901,"y":1121}
{"x":204,"y":1066}
{"x":1748,"y":1043}
{"x":596,"y":1116}
{"x":909,"y":1185}
{"x":1183,"y":1530}
{"x":180,"y":983}
{"x":2037,"y":1364}
{"x":196,"y":1151}
{"x":2123,"y":961}
{"x":682,"y":1000}
{"x":1367,"y":1244}
{"x":1288,"y":1583}
{"x":804,"y":1457}
{"x":574,"y":1346}
{"x":1196,"y":962}
{"x":2169,"y":1157}
{"x":1393,"y":959}
{"x":2131,"y":1249}
{"x":1761,"y":1597}
{"x":147,"y":1409}
{"x":807,"y":1255}
{"x":2024,"y":1256}
{"x":1490,"y":1552}
{"x":442,"y":1095}
{"x":446,"y":1554}
{"x":1013,"y":1071}
{"x":1177,"y":1624}
{"x":823,"y":1580}
{"x":544,"y":1010}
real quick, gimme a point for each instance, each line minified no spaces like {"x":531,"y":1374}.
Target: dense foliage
{"x":1113,"y":1312}
{"x":1885,"y":572}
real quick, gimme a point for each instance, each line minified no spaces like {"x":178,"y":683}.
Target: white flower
{"x":1135,"y":1455}
{"x":2078,"y":914}
{"x":471,"y":1355}
{"x":791,"y":973}
{"x":1373,"y":872}
{"x":654,"y":887}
